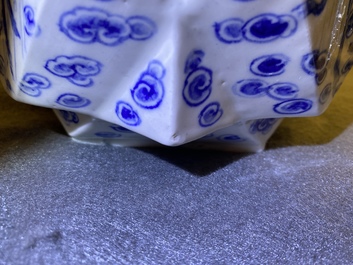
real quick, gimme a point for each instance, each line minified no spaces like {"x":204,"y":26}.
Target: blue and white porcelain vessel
{"x":175,"y":71}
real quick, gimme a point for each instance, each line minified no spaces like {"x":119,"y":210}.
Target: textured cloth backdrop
{"x":62,"y":202}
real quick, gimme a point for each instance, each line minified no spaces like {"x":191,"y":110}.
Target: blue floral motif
{"x":30,"y":25}
{"x":293,"y":106}
{"x":72,"y":101}
{"x":91,"y":25}
{"x":262,"y":126}
{"x":198,"y":83}
{"x":325,"y":93}
{"x":69,"y":116}
{"x":107,"y":135}
{"x":269,"y":65}
{"x":259,"y":29}
{"x":77,"y":69}
{"x":148,"y":92}
{"x":210,"y":114}
{"x":32,"y":84}
{"x":127,"y":114}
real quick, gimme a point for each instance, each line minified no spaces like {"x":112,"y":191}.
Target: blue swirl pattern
{"x":127,"y":114}
{"x":269,"y":65}
{"x":30,"y":24}
{"x":262,"y":126}
{"x":282,"y":91}
{"x":32,"y":84}
{"x":148,"y":92}
{"x":76,"y":69}
{"x":293,"y":106}
{"x":198,"y":83}
{"x":69,"y":116}
{"x":314,"y":63}
{"x":250,"y":88}
{"x":93,"y":25}
{"x":72,"y":101}
{"x":210,"y":114}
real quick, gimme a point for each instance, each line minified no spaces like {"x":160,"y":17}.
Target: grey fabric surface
{"x":63,"y":202}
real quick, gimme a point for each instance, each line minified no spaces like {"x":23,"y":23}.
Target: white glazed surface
{"x":142,"y":77}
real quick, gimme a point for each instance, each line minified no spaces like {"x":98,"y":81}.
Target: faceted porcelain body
{"x":175,"y":71}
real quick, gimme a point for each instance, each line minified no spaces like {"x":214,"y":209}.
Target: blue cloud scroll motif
{"x":198,"y":83}
{"x":293,"y":106}
{"x":148,"y":92}
{"x":69,"y":116}
{"x":262,"y":126}
{"x":77,"y":69}
{"x":93,"y":25}
{"x":259,"y":29}
{"x":127,"y":114}
{"x":72,"y":101}
{"x":269,"y":65}
{"x":30,"y":24}
{"x":210,"y":114}
{"x":32,"y":84}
